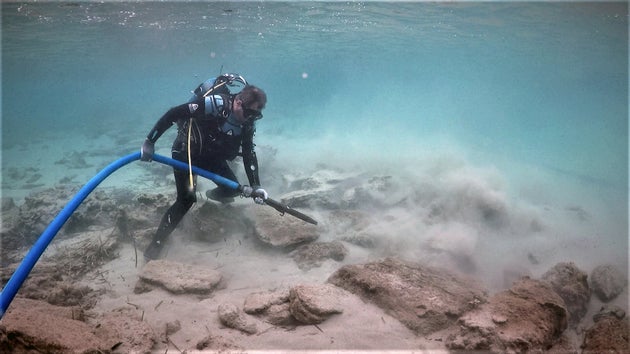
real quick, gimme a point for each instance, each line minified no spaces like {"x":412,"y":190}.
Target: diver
{"x":214,"y":127}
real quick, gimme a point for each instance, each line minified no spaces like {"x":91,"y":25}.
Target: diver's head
{"x":249,"y":103}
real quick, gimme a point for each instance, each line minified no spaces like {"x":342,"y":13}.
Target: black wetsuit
{"x":215,"y":138}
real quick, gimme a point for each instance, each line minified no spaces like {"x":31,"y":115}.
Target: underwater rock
{"x":320,"y":189}
{"x":259,"y":302}
{"x":349,"y":220}
{"x":75,"y":160}
{"x":33,"y":216}
{"x":332,"y":190}
{"x":54,"y":279}
{"x":455,"y":197}
{"x":609,"y":310}
{"x":351,"y":226}
{"x":529,"y":317}
{"x":81,"y":253}
{"x":278,"y":231}
{"x":565,"y":344}
{"x":609,"y":334}
{"x":280,"y":315}
{"x":212,"y":222}
{"x":313,"y":304}
{"x":231,"y":316}
{"x":272,"y":306}
{"x":145,"y":210}
{"x":100,"y":209}
{"x":313,"y":254}
{"x":607,"y":282}
{"x":125,"y":332}
{"x":173,"y":327}
{"x":20,"y":174}
{"x":73,"y":312}
{"x":571,"y":284}
{"x":7,"y":204}
{"x":423,"y":298}
{"x":48,"y":283}
{"x":302,"y":304}
{"x":217,"y":344}
{"x":35,"y":326}
{"x":365,"y":240}
{"x":178,"y":278}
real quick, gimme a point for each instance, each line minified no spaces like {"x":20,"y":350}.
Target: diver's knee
{"x":188,"y":198}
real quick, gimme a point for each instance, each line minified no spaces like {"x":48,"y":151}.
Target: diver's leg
{"x":222,"y":193}
{"x":185,"y":199}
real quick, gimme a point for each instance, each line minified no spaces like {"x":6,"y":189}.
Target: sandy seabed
{"x":453,"y":216}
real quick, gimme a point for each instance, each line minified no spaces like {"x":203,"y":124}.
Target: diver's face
{"x":244,"y":114}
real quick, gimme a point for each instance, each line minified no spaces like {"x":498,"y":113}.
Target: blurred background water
{"x":544,"y":83}
{"x":516,"y":86}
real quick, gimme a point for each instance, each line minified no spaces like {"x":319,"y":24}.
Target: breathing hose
{"x":19,"y":276}
{"x":191,"y":185}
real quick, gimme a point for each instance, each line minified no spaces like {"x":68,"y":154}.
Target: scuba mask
{"x":252,"y":114}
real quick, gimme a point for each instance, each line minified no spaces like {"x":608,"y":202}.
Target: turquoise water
{"x":543,"y":83}
{"x":537,"y":92}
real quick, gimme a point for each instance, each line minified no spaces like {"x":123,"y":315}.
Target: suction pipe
{"x":23,"y":270}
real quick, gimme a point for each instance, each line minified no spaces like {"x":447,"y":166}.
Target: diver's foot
{"x":221,"y":195}
{"x":153,"y":251}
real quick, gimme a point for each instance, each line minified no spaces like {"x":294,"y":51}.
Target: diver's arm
{"x":249,"y":157}
{"x":173,"y":115}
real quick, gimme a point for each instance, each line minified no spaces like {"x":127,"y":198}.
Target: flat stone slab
{"x":179,"y":278}
{"x":279,"y":230}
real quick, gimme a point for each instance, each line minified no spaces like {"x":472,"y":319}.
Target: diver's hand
{"x":247,"y":191}
{"x":259,"y":195}
{"x":147,"y":150}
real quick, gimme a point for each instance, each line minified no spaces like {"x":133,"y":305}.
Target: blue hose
{"x":23,"y":270}
{"x":196,"y":170}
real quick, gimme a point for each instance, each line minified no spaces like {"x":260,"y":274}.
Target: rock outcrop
{"x":529,"y":317}
{"x":571,"y":284}
{"x":312,"y":255}
{"x":36,"y":326}
{"x":302,"y":304}
{"x":101,"y":210}
{"x":609,"y":333}
{"x":424,"y":299}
